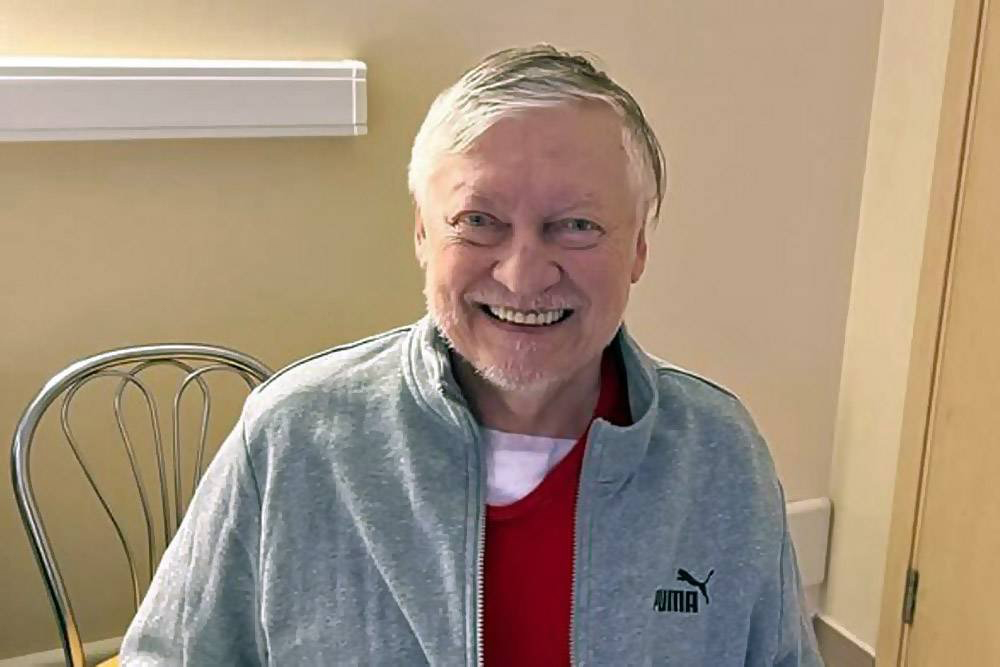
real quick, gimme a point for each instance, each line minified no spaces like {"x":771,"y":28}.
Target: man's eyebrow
{"x":473,"y":193}
{"x":481,"y":198}
{"x":587,"y":200}
{"x":478,"y":196}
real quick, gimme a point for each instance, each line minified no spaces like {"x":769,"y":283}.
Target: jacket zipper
{"x":576,"y":543}
{"x":480,"y":581}
{"x":572,"y":585}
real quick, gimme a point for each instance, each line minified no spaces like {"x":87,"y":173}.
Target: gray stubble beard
{"x":498,"y":376}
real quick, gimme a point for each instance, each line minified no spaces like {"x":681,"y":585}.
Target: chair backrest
{"x":126,"y":365}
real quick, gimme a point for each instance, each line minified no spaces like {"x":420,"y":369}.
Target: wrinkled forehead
{"x":567,"y":130}
{"x":565,"y":154}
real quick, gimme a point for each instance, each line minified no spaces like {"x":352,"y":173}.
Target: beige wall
{"x":284,"y":246}
{"x":904,"y":130}
{"x":763,"y":112}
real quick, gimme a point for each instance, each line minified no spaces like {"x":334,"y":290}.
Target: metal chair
{"x":125,"y":364}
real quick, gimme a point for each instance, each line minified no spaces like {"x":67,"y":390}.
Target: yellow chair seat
{"x":110,"y":662}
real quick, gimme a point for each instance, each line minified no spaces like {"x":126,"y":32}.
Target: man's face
{"x":537,"y":222}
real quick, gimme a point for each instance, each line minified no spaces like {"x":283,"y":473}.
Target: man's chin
{"x":503,"y":373}
{"x":521,"y":380}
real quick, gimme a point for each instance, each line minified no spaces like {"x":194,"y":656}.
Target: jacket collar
{"x":429,"y":368}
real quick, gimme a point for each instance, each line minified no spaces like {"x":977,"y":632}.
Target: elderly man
{"x":511,"y":480}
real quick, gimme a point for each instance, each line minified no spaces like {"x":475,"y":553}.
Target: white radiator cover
{"x":46,"y":98}
{"x":809,"y":524}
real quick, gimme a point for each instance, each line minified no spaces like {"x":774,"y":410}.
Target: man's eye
{"x":576,"y":232}
{"x":476,"y":219}
{"x":478,"y":228}
{"x":579,"y":225}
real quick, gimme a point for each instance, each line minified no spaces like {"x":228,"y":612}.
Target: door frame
{"x":944,"y":210}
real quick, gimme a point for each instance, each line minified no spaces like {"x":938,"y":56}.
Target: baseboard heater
{"x":809,"y":524}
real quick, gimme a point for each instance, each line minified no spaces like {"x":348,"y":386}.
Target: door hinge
{"x":910,"y":596}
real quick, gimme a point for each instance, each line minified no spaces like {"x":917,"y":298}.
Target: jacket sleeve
{"x":796,"y":640}
{"x":202,"y":605}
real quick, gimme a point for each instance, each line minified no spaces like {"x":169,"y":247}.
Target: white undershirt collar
{"x":517,"y":463}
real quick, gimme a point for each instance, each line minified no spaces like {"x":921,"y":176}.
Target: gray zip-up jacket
{"x":342,"y":523}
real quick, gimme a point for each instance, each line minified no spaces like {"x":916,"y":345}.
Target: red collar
{"x":612,"y":403}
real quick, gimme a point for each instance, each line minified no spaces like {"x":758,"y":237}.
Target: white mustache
{"x":505,"y":301}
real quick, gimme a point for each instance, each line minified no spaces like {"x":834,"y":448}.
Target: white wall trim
{"x":809,"y":525}
{"x":847,"y":634}
{"x":43,"y":98}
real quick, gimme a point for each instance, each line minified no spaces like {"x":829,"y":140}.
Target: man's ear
{"x":419,"y":238}
{"x":641,"y":250}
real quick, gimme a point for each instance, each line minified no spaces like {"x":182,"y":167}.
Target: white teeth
{"x":529,"y":318}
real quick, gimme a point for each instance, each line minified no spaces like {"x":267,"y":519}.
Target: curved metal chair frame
{"x":66,"y":384}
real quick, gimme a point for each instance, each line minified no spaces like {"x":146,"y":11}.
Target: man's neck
{"x":562,"y":410}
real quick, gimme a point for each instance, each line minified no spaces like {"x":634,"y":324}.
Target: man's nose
{"x":527,"y":269}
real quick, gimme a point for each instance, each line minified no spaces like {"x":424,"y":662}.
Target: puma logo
{"x":687,"y":578}
{"x":682,"y":601}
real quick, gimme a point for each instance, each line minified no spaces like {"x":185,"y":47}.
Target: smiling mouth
{"x":527,"y":318}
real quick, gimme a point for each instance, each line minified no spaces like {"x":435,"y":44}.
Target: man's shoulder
{"x":678,"y":384}
{"x":695,"y":384}
{"x":707,"y":431}
{"x":368,"y":362}
{"x":712,"y":414}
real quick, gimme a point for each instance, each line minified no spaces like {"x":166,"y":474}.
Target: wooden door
{"x":956,"y":538}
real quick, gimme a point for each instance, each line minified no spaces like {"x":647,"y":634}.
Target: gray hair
{"x":525,"y":78}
